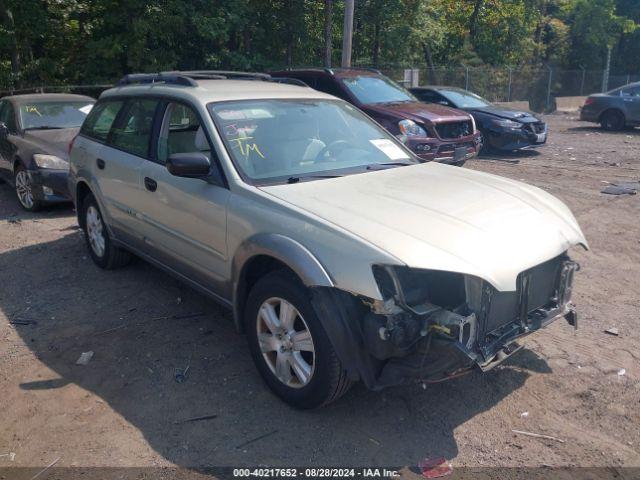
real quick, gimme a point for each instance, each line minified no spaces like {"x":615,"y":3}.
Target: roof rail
{"x":219,"y":74}
{"x":176,"y":78}
{"x":289,"y":81}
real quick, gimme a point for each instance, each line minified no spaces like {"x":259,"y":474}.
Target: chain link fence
{"x":539,"y":86}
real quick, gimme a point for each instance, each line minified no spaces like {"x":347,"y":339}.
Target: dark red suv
{"x":433,"y":132}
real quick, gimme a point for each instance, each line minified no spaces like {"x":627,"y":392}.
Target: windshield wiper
{"x":44,"y":127}
{"x":374,"y":166}
{"x":297,"y":179}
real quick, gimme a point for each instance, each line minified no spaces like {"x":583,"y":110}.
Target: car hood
{"x":418,"y":111}
{"x":53,"y":142}
{"x":434,"y":216}
{"x":507,"y":113}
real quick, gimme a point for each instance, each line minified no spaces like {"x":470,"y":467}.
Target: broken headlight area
{"x":432,"y":324}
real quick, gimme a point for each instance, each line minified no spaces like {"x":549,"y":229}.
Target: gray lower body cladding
{"x":437,"y":344}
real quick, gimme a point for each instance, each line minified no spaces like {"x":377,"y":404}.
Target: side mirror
{"x":189,"y":165}
{"x":4,"y":130}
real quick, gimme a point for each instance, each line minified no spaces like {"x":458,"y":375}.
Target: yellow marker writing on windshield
{"x":32,"y":109}
{"x":245,"y":147}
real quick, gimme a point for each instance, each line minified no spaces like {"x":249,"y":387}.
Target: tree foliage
{"x":89,"y":41}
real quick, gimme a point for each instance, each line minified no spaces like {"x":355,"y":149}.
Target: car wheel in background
{"x":289,"y":344}
{"x":612,"y":120}
{"x":484,"y":143}
{"x":103,"y":252}
{"x":24,"y":190}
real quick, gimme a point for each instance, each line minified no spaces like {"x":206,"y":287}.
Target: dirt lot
{"x":126,"y":409}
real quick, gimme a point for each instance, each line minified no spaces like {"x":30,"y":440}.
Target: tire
{"x":24,"y":190}
{"x":486,"y":148}
{"x":612,"y":121}
{"x":282,"y":358}
{"x":103,"y":252}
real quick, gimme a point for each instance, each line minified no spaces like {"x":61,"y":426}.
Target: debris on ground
{"x":248,"y":442}
{"x":524,"y":414}
{"x":23,"y":322}
{"x":14,"y":219}
{"x":621,"y":188}
{"x":499,"y":159}
{"x":85,"y":358}
{"x":179,"y":317}
{"x":612,"y":331}
{"x":180,"y":374}
{"x":435,"y":467}
{"x":10,"y":455}
{"x":46,"y":468}
{"x":622,"y":372}
{"x":195,"y":419}
{"x":537,"y":435}
{"x":111,"y":329}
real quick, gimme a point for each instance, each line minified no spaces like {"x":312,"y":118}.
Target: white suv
{"x":342,"y":255}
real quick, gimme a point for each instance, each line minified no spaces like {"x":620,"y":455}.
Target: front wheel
{"x":612,"y":121}
{"x":24,"y":190}
{"x":289,"y":344}
{"x":103,"y":252}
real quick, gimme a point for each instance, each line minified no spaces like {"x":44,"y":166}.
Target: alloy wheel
{"x":23,"y":189}
{"x":95,"y":231}
{"x":286,"y":343}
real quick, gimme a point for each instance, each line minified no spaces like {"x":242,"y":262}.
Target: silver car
{"x":614,"y":110}
{"x":343,"y":257}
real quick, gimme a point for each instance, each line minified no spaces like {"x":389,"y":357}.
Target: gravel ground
{"x":125,"y":409}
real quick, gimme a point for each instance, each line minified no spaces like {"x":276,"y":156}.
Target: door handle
{"x":100,"y":163}
{"x":150,"y":184}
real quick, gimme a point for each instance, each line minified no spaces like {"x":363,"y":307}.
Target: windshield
{"x":463,"y":99}
{"x":44,"y":115}
{"x":368,"y":89}
{"x":279,"y":141}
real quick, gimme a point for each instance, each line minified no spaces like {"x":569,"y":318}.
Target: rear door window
{"x":132,"y":132}
{"x":100,"y":119}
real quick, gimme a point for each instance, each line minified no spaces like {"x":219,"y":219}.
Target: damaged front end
{"x":435,"y":325}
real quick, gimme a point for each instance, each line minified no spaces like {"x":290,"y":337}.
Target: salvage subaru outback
{"x":342,"y":255}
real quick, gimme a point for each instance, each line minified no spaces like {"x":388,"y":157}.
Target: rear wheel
{"x":24,"y":190}
{"x":289,"y":344}
{"x":103,"y":252}
{"x":612,"y":120}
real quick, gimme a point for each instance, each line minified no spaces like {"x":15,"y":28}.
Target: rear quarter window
{"x":100,"y":119}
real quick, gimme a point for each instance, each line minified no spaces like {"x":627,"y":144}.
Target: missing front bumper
{"x":398,"y":341}
{"x":447,"y":359}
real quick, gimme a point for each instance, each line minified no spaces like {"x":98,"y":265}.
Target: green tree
{"x":595,"y":26}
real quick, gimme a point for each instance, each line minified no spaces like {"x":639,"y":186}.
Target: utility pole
{"x":605,"y":74}
{"x":348,"y":33}
{"x":328,"y":23}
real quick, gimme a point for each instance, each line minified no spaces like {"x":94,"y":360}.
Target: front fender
{"x":282,"y":248}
